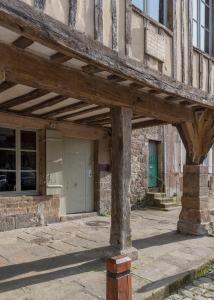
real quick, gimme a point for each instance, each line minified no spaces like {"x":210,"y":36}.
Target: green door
{"x":153,"y":164}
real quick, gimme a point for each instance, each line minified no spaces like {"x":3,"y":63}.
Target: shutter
{"x":54,"y":162}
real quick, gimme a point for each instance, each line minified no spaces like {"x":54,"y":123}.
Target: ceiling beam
{"x":82,"y":112}
{"x":22,"y":99}
{"x":148,"y":123}
{"x":61,"y":110}
{"x":33,"y":24}
{"x":6,"y":85}
{"x":68,"y":129}
{"x":26,"y":68}
{"x":22,"y":42}
{"x":44,"y":104}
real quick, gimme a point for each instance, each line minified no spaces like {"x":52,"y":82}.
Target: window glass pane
{"x":28,"y":160}
{"x":28,"y":140}
{"x":207,"y":44}
{"x":28,"y":181}
{"x":153,"y":9}
{"x":195,"y":34}
{"x":7,"y":138}
{"x":202,"y":39}
{"x":202,"y":14}
{"x":7,"y":181}
{"x":7,"y":159}
{"x":207,"y":18}
{"x":195,"y":9}
{"x":139,"y":3}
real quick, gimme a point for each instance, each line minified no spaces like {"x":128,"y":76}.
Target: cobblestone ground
{"x":202,"y":288}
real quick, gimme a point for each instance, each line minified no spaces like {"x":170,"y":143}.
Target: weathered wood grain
{"x":120,"y":236}
{"x":23,"y":19}
{"x":28,"y":69}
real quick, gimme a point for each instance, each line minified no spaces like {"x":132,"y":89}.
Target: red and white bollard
{"x":119,"y":285}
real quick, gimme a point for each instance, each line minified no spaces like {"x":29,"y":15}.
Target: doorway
{"x":153,"y":164}
{"x":78,"y":177}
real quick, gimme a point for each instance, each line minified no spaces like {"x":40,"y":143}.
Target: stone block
{"x":26,"y":220}
{"x":7,"y":223}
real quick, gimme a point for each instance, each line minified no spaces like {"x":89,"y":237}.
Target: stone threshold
{"x":71,"y":217}
{"x":172,"y":285}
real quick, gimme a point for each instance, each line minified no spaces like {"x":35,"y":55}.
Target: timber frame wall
{"x":122,"y":27}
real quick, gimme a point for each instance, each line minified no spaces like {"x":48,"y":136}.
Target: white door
{"x":78,"y":175}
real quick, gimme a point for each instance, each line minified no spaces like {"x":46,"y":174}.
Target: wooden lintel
{"x":29,"y":69}
{"x":148,"y":123}
{"x":68,"y":129}
{"x":20,"y":17}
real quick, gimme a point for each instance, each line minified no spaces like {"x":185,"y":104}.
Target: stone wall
{"x":140,"y":161}
{"x":139,"y":175}
{"x":28,"y":211}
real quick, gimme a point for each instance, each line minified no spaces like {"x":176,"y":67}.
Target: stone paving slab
{"x":63,"y":261}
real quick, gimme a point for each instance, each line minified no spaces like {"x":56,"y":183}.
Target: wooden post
{"x":121,"y":172}
{"x":119,"y":285}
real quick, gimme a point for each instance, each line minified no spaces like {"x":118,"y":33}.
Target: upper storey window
{"x":155,"y":9}
{"x":202,"y":24}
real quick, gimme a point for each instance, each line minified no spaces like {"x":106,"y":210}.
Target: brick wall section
{"x":28,"y":211}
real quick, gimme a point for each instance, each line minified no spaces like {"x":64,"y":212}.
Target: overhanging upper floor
{"x":54,"y":73}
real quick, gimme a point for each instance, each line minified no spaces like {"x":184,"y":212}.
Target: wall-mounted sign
{"x":155,"y":45}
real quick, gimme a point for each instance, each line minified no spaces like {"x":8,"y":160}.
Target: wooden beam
{"x":72,"y":13}
{"x":29,"y":69}
{"x":39,"y":4}
{"x":6,"y":85}
{"x":61,"y":110}
{"x":60,"y":58}
{"x":95,"y":118}
{"x":91,"y":69}
{"x":23,"y":99}
{"x":68,"y":129}
{"x":79,"y":113}
{"x":120,"y":236}
{"x":98,"y":20}
{"x":44,"y":104}
{"x":22,"y":42}
{"x":20,"y":17}
{"x":149,"y":123}
{"x":115,"y":78}
{"x":198,"y":136}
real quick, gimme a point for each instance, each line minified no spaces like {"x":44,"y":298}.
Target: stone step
{"x":164,"y":200}
{"x":152,"y":196}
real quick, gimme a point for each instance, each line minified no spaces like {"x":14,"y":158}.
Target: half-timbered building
{"x":76,"y":78}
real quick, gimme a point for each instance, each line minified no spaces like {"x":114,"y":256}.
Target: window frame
{"x":163,"y":15}
{"x":18,"y":150}
{"x":200,"y":26}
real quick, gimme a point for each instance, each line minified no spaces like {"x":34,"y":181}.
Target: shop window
{"x":18,"y":160}
{"x":202,"y":25}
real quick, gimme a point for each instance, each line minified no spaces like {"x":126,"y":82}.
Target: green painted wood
{"x":153,"y":165}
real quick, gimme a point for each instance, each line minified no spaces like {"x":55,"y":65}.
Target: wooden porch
{"x":55,"y":77}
